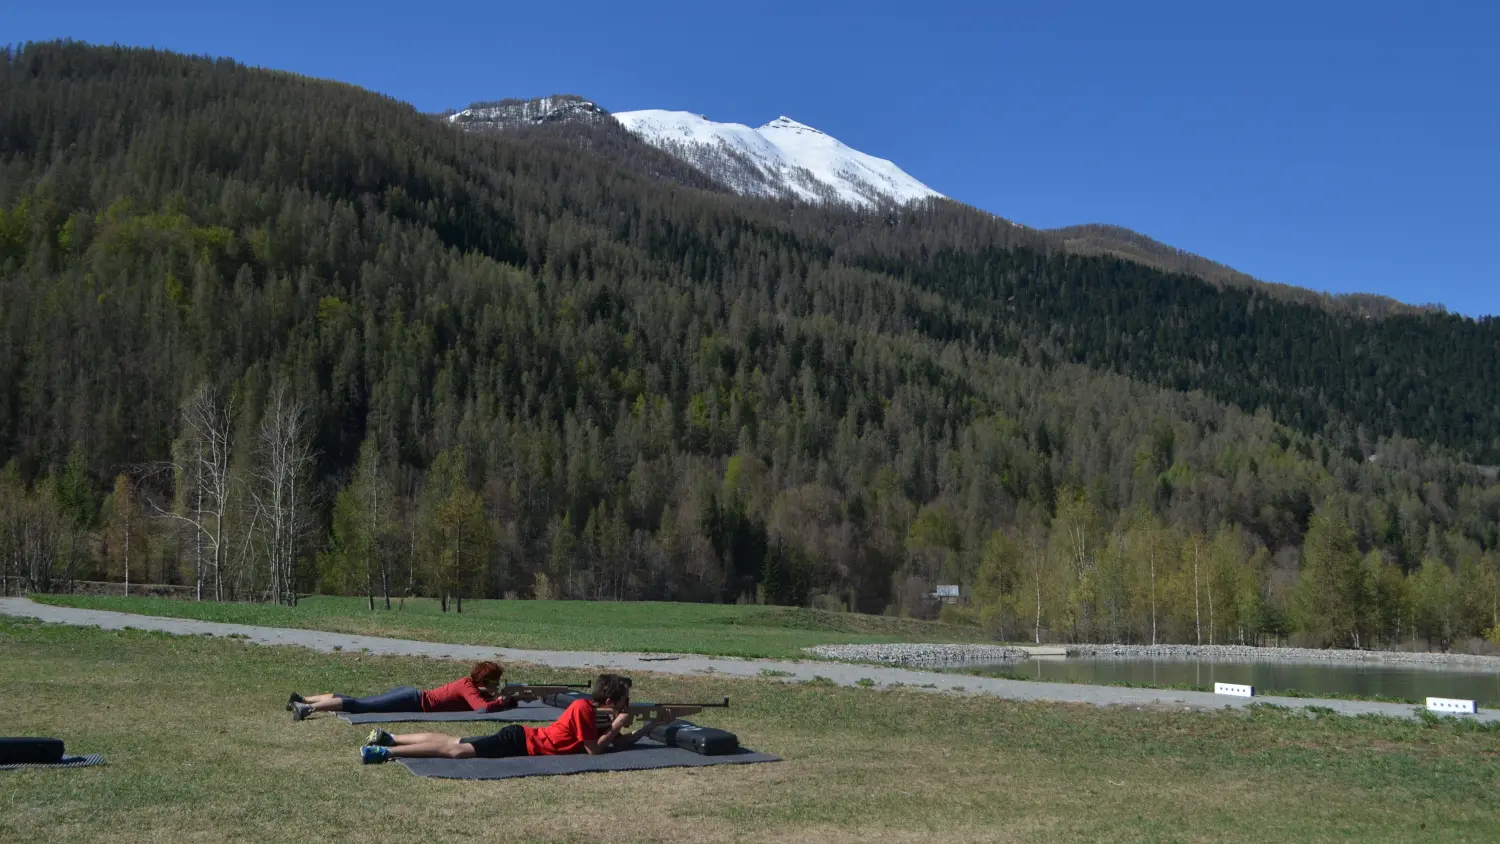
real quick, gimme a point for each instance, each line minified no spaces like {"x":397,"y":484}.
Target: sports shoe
{"x":295,"y":698}
{"x":373,"y":755}
{"x":301,"y":711}
{"x":379,"y":737}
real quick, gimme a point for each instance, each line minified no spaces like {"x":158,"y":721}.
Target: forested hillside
{"x":1100,"y":239}
{"x":261,"y":333}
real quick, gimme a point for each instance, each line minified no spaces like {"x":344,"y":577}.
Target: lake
{"x":1367,"y":680}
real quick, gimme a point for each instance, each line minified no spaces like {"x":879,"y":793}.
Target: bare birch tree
{"x":283,"y":463}
{"x":201,"y":482}
{"x":126,"y":541}
{"x":1193,"y":551}
{"x":36,"y":535}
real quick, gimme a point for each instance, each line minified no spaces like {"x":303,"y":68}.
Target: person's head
{"x":612,"y":690}
{"x":486,"y":675}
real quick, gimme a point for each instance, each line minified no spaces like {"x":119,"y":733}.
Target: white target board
{"x":1448,"y":704}
{"x":1234,"y":689}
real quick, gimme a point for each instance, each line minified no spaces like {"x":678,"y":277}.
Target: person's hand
{"x":623,"y":720}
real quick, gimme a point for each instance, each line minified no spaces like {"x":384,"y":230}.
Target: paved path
{"x":844,"y":674}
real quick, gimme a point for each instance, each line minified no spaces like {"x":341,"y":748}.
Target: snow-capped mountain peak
{"x":782,"y":159}
{"x":784,"y":122}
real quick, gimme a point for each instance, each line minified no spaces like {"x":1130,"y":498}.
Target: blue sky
{"x":1343,"y":147}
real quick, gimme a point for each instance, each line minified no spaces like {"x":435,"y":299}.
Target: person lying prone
{"x":574,"y":732}
{"x":478,"y":692}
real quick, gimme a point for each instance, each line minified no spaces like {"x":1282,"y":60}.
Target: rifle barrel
{"x":723,"y":705}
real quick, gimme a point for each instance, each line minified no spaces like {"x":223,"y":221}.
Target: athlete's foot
{"x":379,"y":738}
{"x":295,"y":698}
{"x":373,"y":755}
{"x":301,"y":711}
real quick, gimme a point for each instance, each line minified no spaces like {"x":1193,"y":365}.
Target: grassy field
{"x":200,"y":749}
{"x":717,"y":629}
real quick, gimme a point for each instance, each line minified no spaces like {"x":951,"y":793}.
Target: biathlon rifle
{"x":652,"y":711}
{"x":537,"y":691}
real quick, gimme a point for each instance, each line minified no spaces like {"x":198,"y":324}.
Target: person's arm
{"x":475,"y":698}
{"x":666,"y":717}
{"x":605,"y":742}
{"x":502,"y":702}
{"x":618,"y":738}
{"x":627,"y":739}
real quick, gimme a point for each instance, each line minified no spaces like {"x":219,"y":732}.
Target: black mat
{"x":524,"y":712}
{"x":67,"y":762}
{"x":638,"y":757}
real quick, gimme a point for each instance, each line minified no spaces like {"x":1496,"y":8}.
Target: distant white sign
{"x":1448,"y":704}
{"x":946,"y":591}
{"x":1234,"y":689}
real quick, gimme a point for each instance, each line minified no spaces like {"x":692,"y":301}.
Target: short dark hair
{"x":486,"y":672}
{"x":611,"y":688}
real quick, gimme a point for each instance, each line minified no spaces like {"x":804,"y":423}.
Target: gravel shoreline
{"x":926,"y":655}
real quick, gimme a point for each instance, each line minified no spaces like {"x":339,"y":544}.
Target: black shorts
{"x":510,"y":741}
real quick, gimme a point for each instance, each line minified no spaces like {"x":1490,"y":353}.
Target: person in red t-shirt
{"x":574,"y":732}
{"x":479,"y":692}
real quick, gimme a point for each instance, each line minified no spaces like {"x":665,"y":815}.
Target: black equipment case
{"x":705,"y":741}
{"x":30,"y":751}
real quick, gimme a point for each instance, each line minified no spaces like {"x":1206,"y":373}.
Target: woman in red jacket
{"x":478,"y":692}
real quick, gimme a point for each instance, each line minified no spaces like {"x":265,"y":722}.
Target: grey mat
{"x":524,"y":712}
{"x":638,"y":757}
{"x":88,"y":761}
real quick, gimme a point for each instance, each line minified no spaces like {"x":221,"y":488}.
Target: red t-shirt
{"x":460,"y":696}
{"x":565,"y":735}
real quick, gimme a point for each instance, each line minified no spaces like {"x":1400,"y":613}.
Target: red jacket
{"x":461,"y":696}
{"x":565,"y":735}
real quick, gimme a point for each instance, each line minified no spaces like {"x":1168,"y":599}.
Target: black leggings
{"x":510,"y":741}
{"x":400,"y":699}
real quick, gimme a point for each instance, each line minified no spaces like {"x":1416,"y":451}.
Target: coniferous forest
{"x":262,"y":335}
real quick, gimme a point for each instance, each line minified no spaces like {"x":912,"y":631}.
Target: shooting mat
{"x":640,"y":756}
{"x":88,"y":761}
{"x":524,"y":712}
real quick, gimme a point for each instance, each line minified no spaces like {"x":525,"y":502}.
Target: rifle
{"x":652,"y":711}
{"x":537,"y":691}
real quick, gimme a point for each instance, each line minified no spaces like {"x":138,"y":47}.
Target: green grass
{"x":716,"y":629}
{"x":200,"y":749}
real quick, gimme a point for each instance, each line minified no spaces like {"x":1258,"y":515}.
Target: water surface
{"x":1362,"y":679}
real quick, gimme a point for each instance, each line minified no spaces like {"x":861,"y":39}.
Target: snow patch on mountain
{"x":782,"y":159}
